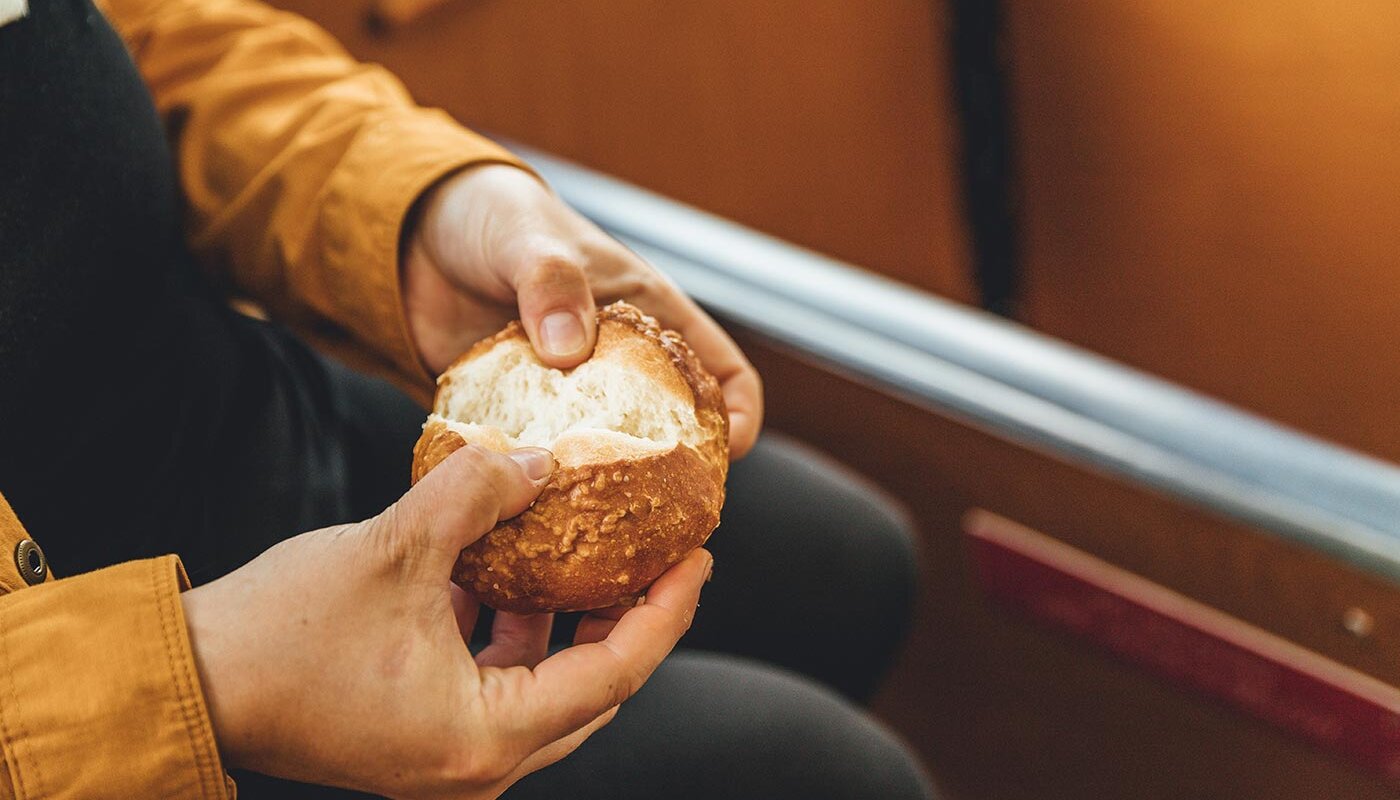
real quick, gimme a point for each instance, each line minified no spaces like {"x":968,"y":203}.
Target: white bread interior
{"x":608,"y":408}
{"x":640,"y":434}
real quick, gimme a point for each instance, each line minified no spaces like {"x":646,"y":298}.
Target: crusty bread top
{"x":641,"y":437}
{"x":642,"y":391}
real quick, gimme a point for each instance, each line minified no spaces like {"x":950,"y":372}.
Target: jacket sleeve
{"x":299,"y":166}
{"x":99,"y":696}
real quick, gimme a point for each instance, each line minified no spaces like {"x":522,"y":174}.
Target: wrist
{"x":227,"y":693}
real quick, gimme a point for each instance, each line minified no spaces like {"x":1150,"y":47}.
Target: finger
{"x":576,"y":685}
{"x":721,"y":356}
{"x":596,"y":625}
{"x":557,"y":310}
{"x":738,"y":380}
{"x":460,"y":500}
{"x":517,"y":640}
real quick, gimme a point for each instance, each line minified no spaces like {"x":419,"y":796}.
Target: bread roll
{"x":640,"y":434}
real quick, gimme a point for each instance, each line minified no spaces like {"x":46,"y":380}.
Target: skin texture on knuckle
{"x":393,"y":541}
{"x":555,"y":274}
{"x":624,"y":276}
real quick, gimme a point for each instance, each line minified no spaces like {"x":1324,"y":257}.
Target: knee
{"x":710,"y":726}
{"x":812,"y":553}
{"x":846,"y":523}
{"x":838,"y":752}
{"x":888,"y":568}
{"x":788,"y":737}
{"x":875,"y":544}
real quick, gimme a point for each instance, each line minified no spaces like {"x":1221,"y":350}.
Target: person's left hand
{"x":341,"y":657}
{"x":492,"y":243}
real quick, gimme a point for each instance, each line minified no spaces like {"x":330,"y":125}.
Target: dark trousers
{"x":213,"y":436}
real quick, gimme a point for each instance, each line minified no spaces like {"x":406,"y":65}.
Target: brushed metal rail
{"x":1007,"y":379}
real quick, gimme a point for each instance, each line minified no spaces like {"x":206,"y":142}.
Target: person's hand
{"x":340,"y":656}
{"x":492,"y":243}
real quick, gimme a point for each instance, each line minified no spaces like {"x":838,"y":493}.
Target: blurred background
{"x":1207,"y":192}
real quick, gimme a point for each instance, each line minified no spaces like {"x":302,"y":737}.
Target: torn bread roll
{"x":640,"y":435}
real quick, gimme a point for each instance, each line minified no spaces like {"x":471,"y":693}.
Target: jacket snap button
{"x":30,"y":560}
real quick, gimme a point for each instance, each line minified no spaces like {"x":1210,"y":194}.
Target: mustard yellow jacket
{"x":299,"y":166}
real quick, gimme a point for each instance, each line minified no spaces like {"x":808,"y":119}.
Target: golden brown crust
{"x":597,"y":536}
{"x":599,"y":533}
{"x":435,"y":444}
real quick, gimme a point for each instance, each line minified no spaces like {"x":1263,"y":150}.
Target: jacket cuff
{"x":99,"y":696}
{"x":393,"y":161}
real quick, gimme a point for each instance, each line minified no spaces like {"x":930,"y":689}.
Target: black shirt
{"x":138,"y":414}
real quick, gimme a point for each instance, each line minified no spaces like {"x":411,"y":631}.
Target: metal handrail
{"x":1002,"y":377}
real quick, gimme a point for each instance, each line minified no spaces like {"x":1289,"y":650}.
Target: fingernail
{"x":561,"y":333}
{"x":536,"y":462}
{"x":710,"y":569}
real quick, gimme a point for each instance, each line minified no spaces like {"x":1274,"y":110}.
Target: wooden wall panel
{"x":824,"y":122}
{"x":1210,"y":192}
{"x":1001,"y":708}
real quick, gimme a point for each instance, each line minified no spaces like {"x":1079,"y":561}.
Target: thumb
{"x":557,"y":310}
{"x":460,"y":500}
